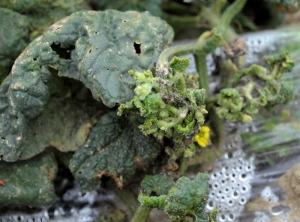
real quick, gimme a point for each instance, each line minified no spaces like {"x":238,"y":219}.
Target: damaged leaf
{"x":14,"y":37}
{"x":95,"y":48}
{"x":28,"y":182}
{"x":116,"y":148}
{"x":63,"y":125}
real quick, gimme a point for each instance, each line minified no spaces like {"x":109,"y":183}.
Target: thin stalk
{"x":141,"y":214}
{"x":183,"y":166}
{"x":201,"y":66}
{"x":229,"y":14}
{"x":222,"y":25}
{"x":169,"y":53}
{"x":217,"y":6}
{"x":186,"y":21}
{"x":216,"y":124}
{"x":214,"y":20}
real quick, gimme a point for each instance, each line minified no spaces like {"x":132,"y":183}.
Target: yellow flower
{"x":202,"y":138}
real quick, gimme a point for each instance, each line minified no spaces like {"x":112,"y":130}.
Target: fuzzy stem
{"x":216,"y":124}
{"x":141,"y":214}
{"x":222,"y":25}
{"x":183,"y":166}
{"x":200,"y":60}
{"x":169,"y":53}
{"x":186,"y":21}
{"x":229,"y":14}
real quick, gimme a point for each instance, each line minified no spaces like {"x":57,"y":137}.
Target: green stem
{"x":217,"y":6}
{"x":222,"y":25}
{"x":201,"y":66}
{"x":183,"y":166}
{"x":216,"y":124}
{"x":141,"y":214}
{"x":214,"y":20}
{"x":229,"y":14}
{"x":128,"y":199}
{"x":169,"y":53}
{"x":186,"y":21}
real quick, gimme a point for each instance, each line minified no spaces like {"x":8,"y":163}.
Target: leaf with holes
{"x":28,"y":182}
{"x":116,"y":148}
{"x":96,"y":48}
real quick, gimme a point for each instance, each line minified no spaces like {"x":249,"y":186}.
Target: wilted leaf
{"x":63,"y":125}
{"x":14,"y":37}
{"x":28,"y":182}
{"x":96,"y":48}
{"x":115,"y":147}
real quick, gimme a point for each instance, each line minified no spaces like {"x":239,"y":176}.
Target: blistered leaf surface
{"x":115,"y":147}
{"x":28,"y":183}
{"x":188,"y":198}
{"x":14,"y":37}
{"x":63,"y":125}
{"x":157,"y":185}
{"x":96,"y":48}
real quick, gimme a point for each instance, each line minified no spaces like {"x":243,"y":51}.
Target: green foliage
{"x":25,"y":6}
{"x":28,"y":183}
{"x":170,"y":108}
{"x":153,"y":6}
{"x":231,"y":105}
{"x":115,"y":147}
{"x":14,"y":37}
{"x":186,"y":199}
{"x":42,"y":13}
{"x":96,"y":53}
{"x":60,"y":126}
{"x":157,"y":185}
{"x":260,"y":88}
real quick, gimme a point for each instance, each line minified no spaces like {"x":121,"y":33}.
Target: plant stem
{"x":229,"y":14}
{"x":183,"y":166}
{"x":186,"y":21}
{"x":201,"y":66}
{"x":214,"y":20}
{"x":216,"y":124}
{"x":141,"y":214}
{"x":128,"y":199}
{"x":222,"y":24}
{"x":169,"y":53}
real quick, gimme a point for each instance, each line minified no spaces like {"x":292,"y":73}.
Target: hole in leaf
{"x":63,"y":53}
{"x":137,"y":48}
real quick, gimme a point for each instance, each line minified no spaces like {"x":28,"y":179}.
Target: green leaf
{"x":28,"y":182}
{"x":179,"y":64}
{"x":64,"y":125}
{"x":157,"y":185}
{"x":34,"y":6}
{"x":116,"y":148}
{"x":187,"y":198}
{"x":96,"y":48}
{"x":14,"y":37}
